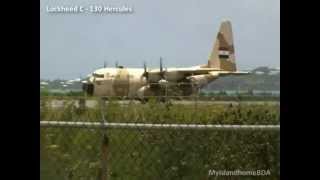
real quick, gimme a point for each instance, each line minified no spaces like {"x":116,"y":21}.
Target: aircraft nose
{"x":88,"y":88}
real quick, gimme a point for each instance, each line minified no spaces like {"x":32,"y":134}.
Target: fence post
{"x":82,"y":103}
{"x":104,"y":145}
{"x":104,"y":157}
{"x":196,"y":94}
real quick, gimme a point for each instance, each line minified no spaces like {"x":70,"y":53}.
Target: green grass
{"x":154,"y":112}
{"x":159,"y":154}
{"x":46,"y":93}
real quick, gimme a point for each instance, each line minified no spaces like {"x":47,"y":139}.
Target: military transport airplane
{"x":141,"y":82}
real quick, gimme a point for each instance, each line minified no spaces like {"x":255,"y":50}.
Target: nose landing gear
{"x":88,"y":88}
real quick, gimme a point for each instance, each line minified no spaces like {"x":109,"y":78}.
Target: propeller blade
{"x":105,"y":64}
{"x":162,"y":72}
{"x":145,"y":67}
{"x":145,"y":73}
{"x":161,"y":68}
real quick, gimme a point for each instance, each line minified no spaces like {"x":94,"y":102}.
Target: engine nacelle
{"x":88,"y":88}
{"x":202,"y":80}
{"x":163,"y":82}
{"x":144,"y":91}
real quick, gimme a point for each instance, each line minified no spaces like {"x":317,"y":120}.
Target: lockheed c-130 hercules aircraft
{"x":142,"y":82}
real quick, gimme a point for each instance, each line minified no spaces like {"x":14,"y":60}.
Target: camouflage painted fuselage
{"x":141,"y":82}
{"x":131,"y":82}
{"x":117,"y":81}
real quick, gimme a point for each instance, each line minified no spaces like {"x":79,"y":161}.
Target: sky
{"x":182,"y":32}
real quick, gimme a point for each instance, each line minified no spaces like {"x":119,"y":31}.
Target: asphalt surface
{"x":94,"y":103}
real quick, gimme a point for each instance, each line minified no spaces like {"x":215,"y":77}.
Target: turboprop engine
{"x":144,"y":91}
{"x":202,"y":80}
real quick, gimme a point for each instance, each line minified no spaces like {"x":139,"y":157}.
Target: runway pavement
{"x":93,"y":103}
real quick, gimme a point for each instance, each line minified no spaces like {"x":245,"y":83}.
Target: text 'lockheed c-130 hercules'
{"x":141,"y":82}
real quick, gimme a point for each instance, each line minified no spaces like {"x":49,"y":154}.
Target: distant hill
{"x":60,"y":85}
{"x":262,"y":78}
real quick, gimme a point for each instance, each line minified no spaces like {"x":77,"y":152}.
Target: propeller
{"x":161,"y":69}
{"x":162,"y":80}
{"x":116,"y":64}
{"x":145,"y":73}
{"x":104,"y":64}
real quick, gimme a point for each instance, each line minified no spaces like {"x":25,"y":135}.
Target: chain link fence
{"x":99,"y":146}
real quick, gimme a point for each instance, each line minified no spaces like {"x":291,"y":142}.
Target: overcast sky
{"x":181,"y":31}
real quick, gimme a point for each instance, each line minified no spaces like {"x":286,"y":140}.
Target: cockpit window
{"x":98,"y":75}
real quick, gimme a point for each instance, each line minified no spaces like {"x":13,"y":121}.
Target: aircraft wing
{"x":190,"y":71}
{"x":196,"y":71}
{"x":222,"y":73}
{"x":173,"y":74}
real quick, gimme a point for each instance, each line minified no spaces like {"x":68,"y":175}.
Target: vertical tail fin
{"x":222,"y":55}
